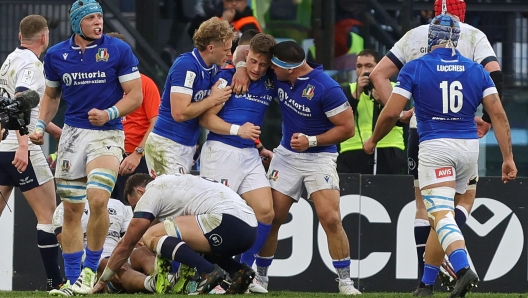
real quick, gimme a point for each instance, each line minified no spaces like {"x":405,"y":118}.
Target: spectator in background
{"x":236,"y":12}
{"x":137,"y":126}
{"x":390,"y":157}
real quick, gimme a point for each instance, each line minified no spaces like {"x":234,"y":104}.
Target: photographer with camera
{"x":389,"y":157}
{"x":22,"y":163}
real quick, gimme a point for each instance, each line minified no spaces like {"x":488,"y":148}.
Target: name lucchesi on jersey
{"x":447,"y":68}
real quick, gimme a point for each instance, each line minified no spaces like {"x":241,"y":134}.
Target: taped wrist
{"x":113,"y":113}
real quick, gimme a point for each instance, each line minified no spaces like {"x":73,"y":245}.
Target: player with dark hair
{"x":447,"y":88}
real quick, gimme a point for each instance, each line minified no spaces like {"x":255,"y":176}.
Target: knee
{"x":98,"y":206}
{"x":330,"y":220}
{"x":265,"y":216}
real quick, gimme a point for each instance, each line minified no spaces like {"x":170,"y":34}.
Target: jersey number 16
{"x":452,"y":97}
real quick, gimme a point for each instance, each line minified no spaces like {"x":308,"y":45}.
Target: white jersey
{"x":119,"y":215}
{"x":22,"y":70}
{"x":177,"y":195}
{"x":472,"y":44}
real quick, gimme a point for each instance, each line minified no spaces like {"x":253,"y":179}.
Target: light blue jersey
{"x":188,"y":75}
{"x":91,"y":79}
{"x":446,"y":90}
{"x":307,"y":105}
{"x":249,"y":107}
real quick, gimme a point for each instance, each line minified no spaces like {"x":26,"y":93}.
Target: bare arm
{"x":501,"y":126}
{"x":183,"y":109}
{"x":54,"y":130}
{"x":132,"y":99}
{"x":49,"y":104}
{"x":344,"y":128}
{"x":380,"y":77}
{"x":210,"y":120}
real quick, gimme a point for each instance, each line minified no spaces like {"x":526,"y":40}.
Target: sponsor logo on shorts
{"x":216,"y":239}
{"x":274,"y":175}
{"x":444,"y":172}
{"x":326,"y":178}
{"x":65,"y":165}
{"x":411,"y":163}
{"x":25,"y":181}
{"x":224,"y":182}
{"x":181,"y":170}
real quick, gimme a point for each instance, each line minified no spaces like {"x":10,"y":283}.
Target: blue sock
{"x":342,"y":268}
{"x":263,"y":264}
{"x":92,"y":259}
{"x":429,"y":274}
{"x":173,"y":248}
{"x":262,"y":234}
{"x":174,"y":266}
{"x":460,"y":216}
{"x":458,"y":259}
{"x":49,"y":253}
{"x":420,"y":238}
{"x":72,"y":265}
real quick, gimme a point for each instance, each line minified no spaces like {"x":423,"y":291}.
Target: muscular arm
{"x":182,"y":109}
{"x":125,"y":246}
{"x":494,"y":69}
{"x":501,"y":126}
{"x":388,"y":117}
{"x":133,"y":97}
{"x":343,"y":129}
{"x":210,"y":120}
{"x":49,"y":104}
{"x":380,"y":77}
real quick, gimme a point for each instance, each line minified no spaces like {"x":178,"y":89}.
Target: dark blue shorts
{"x":412,"y":152}
{"x":232,"y":237}
{"x":27,"y":180}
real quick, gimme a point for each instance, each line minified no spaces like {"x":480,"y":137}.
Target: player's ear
{"x":140,"y":190}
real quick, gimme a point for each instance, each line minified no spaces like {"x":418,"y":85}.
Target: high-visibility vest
{"x":363,"y":128}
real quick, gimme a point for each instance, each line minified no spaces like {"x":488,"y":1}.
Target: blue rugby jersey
{"x":446,"y":90}
{"x":188,"y":75}
{"x":307,"y":105}
{"x":91,"y":79}
{"x":249,"y":107}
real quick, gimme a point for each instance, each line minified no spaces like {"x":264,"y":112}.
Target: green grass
{"x":284,"y":294}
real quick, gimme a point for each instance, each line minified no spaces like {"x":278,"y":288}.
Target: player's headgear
{"x":454,"y":7}
{"x":444,"y":29}
{"x":81,"y":9}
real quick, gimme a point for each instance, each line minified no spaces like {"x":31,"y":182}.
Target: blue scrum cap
{"x":79,"y":10}
{"x":443,"y":29}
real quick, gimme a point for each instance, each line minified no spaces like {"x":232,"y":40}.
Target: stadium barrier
{"x":378,"y":215}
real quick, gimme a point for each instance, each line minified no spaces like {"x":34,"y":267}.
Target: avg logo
{"x":102,"y":55}
{"x":274,"y":175}
{"x":443,"y":172}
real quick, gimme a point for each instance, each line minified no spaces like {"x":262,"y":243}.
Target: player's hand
{"x":509,"y":170}
{"x":98,"y":117}
{"x":482,"y":126}
{"x":37,"y":136}
{"x":21,"y":159}
{"x":406,"y":116}
{"x":240,"y":81}
{"x":299,"y":142}
{"x":369,"y":146}
{"x":249,"y":131}
{"x":220,"y":95}
{"x":99,"y":287}
{"x":266,"y":156}
{"x":129,"y":164}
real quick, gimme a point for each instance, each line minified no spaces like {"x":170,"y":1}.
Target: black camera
{"x":15,"y":114}
{"x":368,"y":89}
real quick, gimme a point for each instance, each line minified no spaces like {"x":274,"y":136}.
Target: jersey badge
{"x":308,"y":92}
{"x":102,"y":55}
{"x":224,"y":182}
{"x":65,"y":165}
{"x":274,"y":175}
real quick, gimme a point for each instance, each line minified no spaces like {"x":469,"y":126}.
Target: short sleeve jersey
{"x":307,"y":105}
{"x":191,"y":76}
{"x":136,"y":124}
{"x":177,"y":195}
{"x":446,"y":90}
{"x":91,"y":79}
{"x":21,"y":71}
{"x":249,"y":107}
{"x":472,"y":44}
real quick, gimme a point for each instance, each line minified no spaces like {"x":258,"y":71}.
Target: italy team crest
{"x":102,"y":55}
{"x":274,"y":175}
{"x":65,"y":165}
{"x":308,"y":92}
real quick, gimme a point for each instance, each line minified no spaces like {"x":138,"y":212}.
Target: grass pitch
{"x":280,"y":294}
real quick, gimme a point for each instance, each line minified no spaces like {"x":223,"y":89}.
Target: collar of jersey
{"x":96,"y":43}
{"x":198,"y":58}
{"x":445,"y":52}
{"x":317,"y":68}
